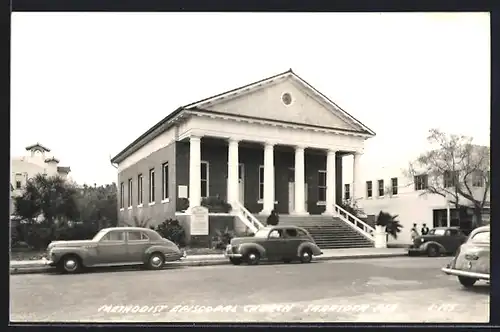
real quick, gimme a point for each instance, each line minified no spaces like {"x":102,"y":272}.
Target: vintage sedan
{"x":114,"y":246}
{"x":439,"y":241}
{"x":273,"y":243}
{"x":472,"y":260}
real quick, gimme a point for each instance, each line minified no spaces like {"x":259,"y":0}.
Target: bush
{"x":171,"y":229}
{"x":182,"y":204}
{"x":221,"y":239}
{"x":216,"y":204}
{"x":390,"y":222}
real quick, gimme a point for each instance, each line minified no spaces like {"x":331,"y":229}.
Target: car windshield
{"x":99,"y":235}
{"x":263,"y":233}
{"x":435,"y":231}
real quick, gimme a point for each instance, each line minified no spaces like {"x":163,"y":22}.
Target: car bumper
{"x":232,"y":255}
{"x":413,"y":249}
{"x":468,"y":274}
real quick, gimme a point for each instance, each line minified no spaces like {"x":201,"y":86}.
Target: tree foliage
{"x":98,"y":204}
{"x":462,"y":163}
{"x":390,"y":222}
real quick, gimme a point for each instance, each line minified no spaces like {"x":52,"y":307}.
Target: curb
{"x":45,"y":269}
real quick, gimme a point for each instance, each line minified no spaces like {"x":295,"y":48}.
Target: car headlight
{"x":422,"y":240}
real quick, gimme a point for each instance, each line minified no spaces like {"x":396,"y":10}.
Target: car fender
{"x":427,"y":244}
{"x":311,"y":246}
{"x":164,"y":250}
{"x":245,"y":247}
{"x":58,"y":253}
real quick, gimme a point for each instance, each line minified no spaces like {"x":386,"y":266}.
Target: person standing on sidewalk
{"x":414,"y":232}
{"x":424,"y":230}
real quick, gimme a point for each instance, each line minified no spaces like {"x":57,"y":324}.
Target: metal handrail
{"x":355,"y":222}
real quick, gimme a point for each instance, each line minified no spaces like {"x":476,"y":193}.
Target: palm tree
{"x":390,"y":222}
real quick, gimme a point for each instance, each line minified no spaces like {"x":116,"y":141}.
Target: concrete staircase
{"x":328,"y":232}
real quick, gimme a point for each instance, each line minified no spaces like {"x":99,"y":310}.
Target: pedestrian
{"x":414,"y":232}
{"x":425,"y":229}
{"x":273,"y":218}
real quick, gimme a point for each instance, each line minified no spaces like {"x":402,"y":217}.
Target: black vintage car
{"x":439,"y":241}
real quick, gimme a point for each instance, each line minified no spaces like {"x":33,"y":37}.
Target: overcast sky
{"x":88,"y":84}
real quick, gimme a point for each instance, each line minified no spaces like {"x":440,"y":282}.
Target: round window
{"x":286,"y":98}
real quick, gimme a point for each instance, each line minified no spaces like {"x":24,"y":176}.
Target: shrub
{"x":221,"y":239}
{"x":216,"y":204}
{"x":171,"y":229}
{"x":182,"y":204}
{"x":390,"y":222}
{"x":352,"y":207}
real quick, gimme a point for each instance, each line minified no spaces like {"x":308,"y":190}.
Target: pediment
{"x":285,"y":99}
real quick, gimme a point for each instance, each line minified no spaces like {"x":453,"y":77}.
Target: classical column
{"x":299,"y":181}
{"x":357,"y":191}
{"x":330,"y":183}
{"x":194,"y":171}
{"x":232,"y":172}
{"x":268,"y":205}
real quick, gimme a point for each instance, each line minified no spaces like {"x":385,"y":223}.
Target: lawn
{"x":35,"y":255}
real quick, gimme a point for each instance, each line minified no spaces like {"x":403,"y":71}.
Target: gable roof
{"x":37,"y":146}
{"x":196,"y":106}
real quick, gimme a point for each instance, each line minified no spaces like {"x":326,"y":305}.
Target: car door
{"x":275,"y":244}
{"x":112,"y":248}
{"x":137,"y":243}
{"x":292,"y":242}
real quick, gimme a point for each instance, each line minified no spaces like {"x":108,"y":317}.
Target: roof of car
{"x":480,"y":229}
{"x":451,"y":227}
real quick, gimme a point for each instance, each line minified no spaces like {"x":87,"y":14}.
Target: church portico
{"x":276,"y":144}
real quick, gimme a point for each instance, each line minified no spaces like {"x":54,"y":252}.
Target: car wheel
{"x":235,"y":261}
{"x":306,"y":255}
{"x":252,"y":257}
{"x":70,"y":264}
{"x":467,"y":282}
{"x":156,"y":261}
{"x":432,"y":251}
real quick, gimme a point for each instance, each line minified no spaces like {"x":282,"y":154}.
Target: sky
{"x":88,"y":84}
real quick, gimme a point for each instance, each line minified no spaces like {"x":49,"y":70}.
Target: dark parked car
{"x":114,"y":246}
{"x":439,"y":241}
{"x":273,"y":243}
{"x":472,"y":261}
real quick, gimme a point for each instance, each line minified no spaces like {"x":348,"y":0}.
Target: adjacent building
{"x":38,"y":160}
{"x":273,"y":144}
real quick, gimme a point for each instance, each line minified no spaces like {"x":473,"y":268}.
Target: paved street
{"x":403,"y":289}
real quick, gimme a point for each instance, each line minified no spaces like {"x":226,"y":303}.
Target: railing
{"x":355,"y":223}
{"x":248,"y":218}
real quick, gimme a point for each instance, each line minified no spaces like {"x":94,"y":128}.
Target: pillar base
{"x":264,"y":213}
{"x":297,"y":213}
{"x":328,"y":213}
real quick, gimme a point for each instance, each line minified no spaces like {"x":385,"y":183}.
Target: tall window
{"x":477,"y":179}
{"x":421,"y":182}
{"x":449,"y":179}
{"x":369,"y":189}
{"x":347,"y":191}
{"x":394,"y":186}
{"x":322,"y":186}
{"x":122,"y":195}
{"x":261,"y":182}
{"x":381,"y":188}
{"x":152,"y":185}
{"x":204,"y":179}
{"x":129,"y":192}
{"x":139,"y":189}
{"x":164,"y":188}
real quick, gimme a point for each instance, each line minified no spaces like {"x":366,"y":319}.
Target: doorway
{"x":241,"y":183}
{"x":291,"y":191}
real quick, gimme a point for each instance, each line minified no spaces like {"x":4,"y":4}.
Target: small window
{"x":450,"y":178}
{"x":394,"y":186}
{"x":275,"y":233}
{"x":129,"y":192}
{"x":347,"y":191}
{"x":291,"y":232}
{"x":453,"y":232}
{"x":134,"y":236}
{"x":421,"y":182}
{"x":114,"y":236}
{"x":369,"y":189}
{"x":477,"y":179}
{"x":483,"y":237}
{"x":301,"y":233}
{"x":286,"y":98}
{"x":18,"y":184}
{"x":381,"y":188}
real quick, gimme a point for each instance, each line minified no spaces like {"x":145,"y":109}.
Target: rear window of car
{"x":483,"y":237}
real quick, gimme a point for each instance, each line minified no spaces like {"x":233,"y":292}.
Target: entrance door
{"x":241,"y":183}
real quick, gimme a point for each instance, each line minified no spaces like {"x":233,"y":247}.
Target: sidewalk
{"x":40,"y":266}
